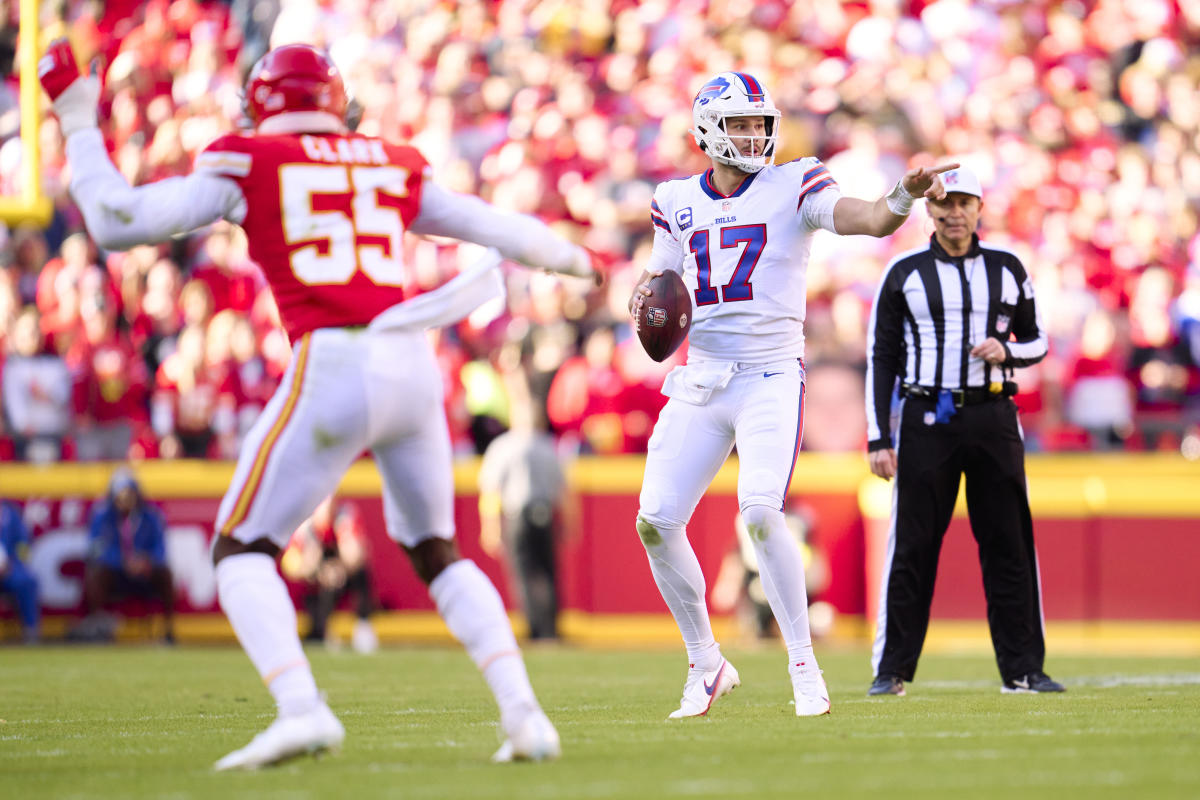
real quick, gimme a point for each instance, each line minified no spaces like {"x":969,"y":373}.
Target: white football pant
{"x":347,"y":391}
{"x":761,"y":409}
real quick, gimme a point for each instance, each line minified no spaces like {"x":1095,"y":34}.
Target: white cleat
{"x":812,"y":698}
{"x":703,"y":687}
{"x":364,"y":640}
{"x":286,"y":738}
{"x":534,"y":739}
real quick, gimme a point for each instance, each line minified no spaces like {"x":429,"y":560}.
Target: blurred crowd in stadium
{"x":1082,"y":119}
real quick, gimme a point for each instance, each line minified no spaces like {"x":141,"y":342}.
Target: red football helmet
{"x":295,"y":77}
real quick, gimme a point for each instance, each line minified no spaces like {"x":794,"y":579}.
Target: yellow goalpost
{"x":31,"y":205}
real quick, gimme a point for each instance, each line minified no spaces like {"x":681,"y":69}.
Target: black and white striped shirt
{"x":931,"y":309}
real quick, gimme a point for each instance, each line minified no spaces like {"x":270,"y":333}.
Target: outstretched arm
{"x":517,"y":236}
{"x":119,"y":216}
{"x":883,"y":216}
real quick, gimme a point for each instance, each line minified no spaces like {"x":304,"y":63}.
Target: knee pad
{"x":761,"y":521}
{"x":654,"y":532}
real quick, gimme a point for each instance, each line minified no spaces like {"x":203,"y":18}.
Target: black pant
{"x":104,"y":585}
{"x":530,"y":541}
{"x":322,"y":602}
{"x":983,"y":442}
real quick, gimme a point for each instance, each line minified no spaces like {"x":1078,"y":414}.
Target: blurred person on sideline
{"x":950,"y":324}
{"x":127,"y":557}
{"x":325,"y":211}
{"x":328,"y":553}
{"x":522,"y":488}
{"x":15,"y":577}
{"x":739,"y":234}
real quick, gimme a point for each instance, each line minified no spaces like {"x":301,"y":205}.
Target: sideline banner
{"x":1118,"y":535}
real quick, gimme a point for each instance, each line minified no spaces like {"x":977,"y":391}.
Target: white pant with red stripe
{"x":346,"y":391}
{"x":758,"y":407}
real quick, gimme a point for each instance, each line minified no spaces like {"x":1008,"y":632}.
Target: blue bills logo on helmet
{"x":711,"y":90}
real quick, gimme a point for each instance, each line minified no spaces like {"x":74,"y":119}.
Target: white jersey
{"x":744,"y":257}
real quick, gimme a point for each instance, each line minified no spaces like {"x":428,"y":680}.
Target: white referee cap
{"x":963,"y":181}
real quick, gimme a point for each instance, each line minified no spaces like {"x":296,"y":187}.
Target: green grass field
{"x":131,"y":722}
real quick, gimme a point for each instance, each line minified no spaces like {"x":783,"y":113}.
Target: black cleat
{"x":887,"y":684}
{"x":1031,"y":683}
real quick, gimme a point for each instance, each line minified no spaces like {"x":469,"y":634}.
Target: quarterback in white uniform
{"x":739,"y":234}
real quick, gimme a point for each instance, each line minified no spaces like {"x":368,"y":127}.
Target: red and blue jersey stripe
{"x":656,"y":216}
{"x":815,"y":180}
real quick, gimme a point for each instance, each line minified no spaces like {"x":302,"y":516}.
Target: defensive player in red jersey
{"x":324,"y":210}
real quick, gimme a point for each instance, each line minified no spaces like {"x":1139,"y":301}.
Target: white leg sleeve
{"x":256,"y":601}
{"x":681,"y":582}
{"x":781,"y":569}
{"x":474,"y":613}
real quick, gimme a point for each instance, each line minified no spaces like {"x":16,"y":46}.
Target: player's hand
{"x":641,"y":292}
{"x":926,"y":181}
{"x":584,"y":264}
{"x":598,"y":277}
{"x":883,"y":463}
{"x":990,"y":350}
{"x":73,"y":96}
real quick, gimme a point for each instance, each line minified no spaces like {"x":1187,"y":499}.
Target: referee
{"x":949,"y":324}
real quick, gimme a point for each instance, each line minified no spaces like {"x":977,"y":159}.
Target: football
{"x":665,"y":316}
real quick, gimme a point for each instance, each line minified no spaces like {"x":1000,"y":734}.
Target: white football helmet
{"x":734,"y":94}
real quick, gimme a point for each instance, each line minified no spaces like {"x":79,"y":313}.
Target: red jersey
{"x":325,"y":217}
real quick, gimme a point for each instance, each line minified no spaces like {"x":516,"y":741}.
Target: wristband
{"x":899,"y":201}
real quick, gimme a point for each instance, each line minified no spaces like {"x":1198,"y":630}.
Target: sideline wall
{"x":1118,"y":536}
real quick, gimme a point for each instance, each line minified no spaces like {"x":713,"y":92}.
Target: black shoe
{"x":887,"y":684}
{"x":1032,"y":683}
